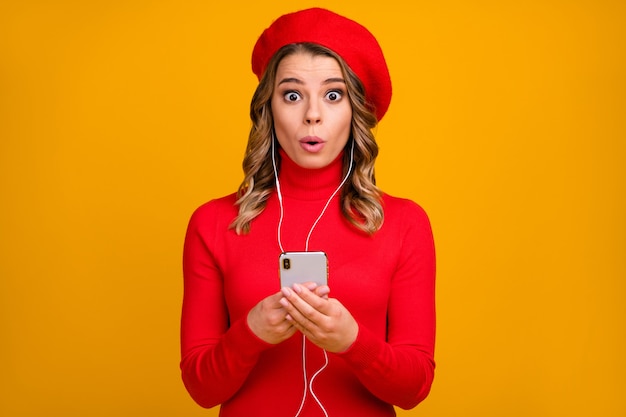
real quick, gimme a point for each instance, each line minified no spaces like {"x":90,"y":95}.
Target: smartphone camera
{"x":286,"y":263}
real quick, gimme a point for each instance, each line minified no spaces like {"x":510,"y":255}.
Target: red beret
{"x":350,"y":40}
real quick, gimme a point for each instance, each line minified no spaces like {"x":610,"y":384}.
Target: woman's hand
{"x":268,"y":319}
{"x":324,"y":321}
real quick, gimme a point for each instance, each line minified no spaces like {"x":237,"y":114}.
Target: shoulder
{"x":405,"y":217}
{"x":216,"y":212}
{"x":403,"y":208}
{"x":407,"y":223}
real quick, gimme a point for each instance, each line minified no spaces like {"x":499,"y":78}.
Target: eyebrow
{"x":299,"y":81}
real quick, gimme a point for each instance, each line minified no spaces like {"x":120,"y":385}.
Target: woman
{"x":364,"y":342}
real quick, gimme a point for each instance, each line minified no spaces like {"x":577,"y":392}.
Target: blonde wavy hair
{"x":361,"y":198}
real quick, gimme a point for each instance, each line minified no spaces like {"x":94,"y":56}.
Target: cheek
{"x":281,"y":126}
{"x":346,"y":121}
{"x":278,"y":120}
{"x":281,"y":116}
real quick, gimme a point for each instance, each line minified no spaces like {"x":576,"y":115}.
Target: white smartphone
{"x":300,"y":267}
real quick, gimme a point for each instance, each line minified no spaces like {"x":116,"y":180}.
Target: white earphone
{"x":308,"y":385}
{"x":280,"y":195}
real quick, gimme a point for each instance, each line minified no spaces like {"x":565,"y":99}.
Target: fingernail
{"x":286,"y":292}
{"x":283,"y":302}
{"x":297,"y":288}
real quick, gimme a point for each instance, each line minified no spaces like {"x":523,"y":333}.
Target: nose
{"x":313,"y":115}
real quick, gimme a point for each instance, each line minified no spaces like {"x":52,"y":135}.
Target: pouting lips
{"x":311,"y":140}
{"x":312,"y":144}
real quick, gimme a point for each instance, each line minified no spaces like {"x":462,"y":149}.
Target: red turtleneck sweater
{"x":386,"y":281}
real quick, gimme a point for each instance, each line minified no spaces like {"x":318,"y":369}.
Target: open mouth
{"x":311,"y":140}
{"x":312,"y":144}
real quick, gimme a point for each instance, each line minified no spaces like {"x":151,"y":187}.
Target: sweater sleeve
{"x":216,"y":355}
{"x":400,"y":370}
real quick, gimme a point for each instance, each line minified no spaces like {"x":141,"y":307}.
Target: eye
{"x":334,"y":95}
{"x":291,"y":96}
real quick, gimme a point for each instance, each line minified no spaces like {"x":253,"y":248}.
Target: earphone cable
{"x":280,"y":197}
{"x":306,"y":245}
{"x":307,"y":384}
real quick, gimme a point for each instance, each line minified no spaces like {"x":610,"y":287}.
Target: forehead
{"x":305,"y":66}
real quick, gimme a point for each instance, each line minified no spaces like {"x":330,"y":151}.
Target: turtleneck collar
{"x":309,"y":184}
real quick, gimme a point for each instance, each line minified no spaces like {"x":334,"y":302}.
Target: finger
{"x":274,"y":300}
{"x":322,"y":291}
{"x":292,"y":315}
{"x":299,"y":310}
{"x":299,"y":322}
{"x":290,"y":311}
{"x":311,"y":298}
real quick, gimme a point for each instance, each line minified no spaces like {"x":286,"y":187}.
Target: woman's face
{"x":311,"y":110}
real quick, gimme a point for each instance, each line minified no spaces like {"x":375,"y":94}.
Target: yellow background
{"x":118,"y":118}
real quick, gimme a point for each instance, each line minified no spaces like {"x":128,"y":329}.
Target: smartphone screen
{"x":301,"y":267}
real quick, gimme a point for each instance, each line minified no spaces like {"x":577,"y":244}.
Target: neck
{"x":309,"y":184}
